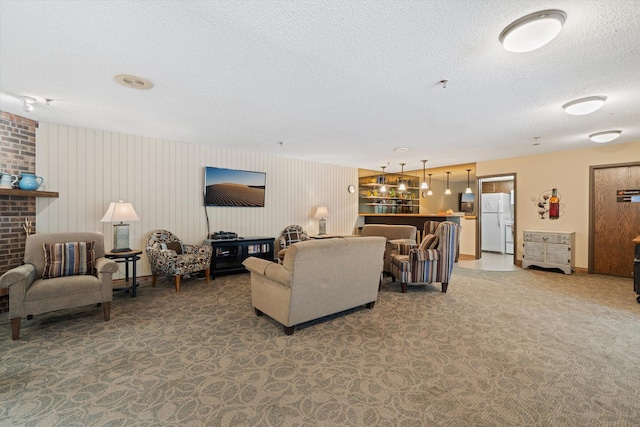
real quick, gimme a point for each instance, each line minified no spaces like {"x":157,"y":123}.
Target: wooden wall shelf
{"x":27,"y":193}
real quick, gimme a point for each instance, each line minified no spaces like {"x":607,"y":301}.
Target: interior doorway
{"x":496,"y":231}
{"x":614,"y":218}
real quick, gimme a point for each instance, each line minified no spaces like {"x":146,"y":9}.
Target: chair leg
{"x":403,"y":287}
{"x":153,"y":280}
{"x":207,"y":274}
{"x":106,"y":309}
{"x":444,"y":287}
{"x":177,"y":283}
{"x":15,"y":328}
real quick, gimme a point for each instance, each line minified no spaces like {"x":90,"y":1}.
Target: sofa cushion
{"x":68,"y":259}
{"x":430,"y":241}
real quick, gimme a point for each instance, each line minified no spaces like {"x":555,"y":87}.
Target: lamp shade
{"x":322,"y":212}
{"x":120,"y":212}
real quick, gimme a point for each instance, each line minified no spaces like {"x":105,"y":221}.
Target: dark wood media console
{"x":228,"y":254}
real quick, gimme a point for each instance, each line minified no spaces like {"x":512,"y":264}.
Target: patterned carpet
{"x":522,"y":348}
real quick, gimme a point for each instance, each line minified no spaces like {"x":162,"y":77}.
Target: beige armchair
{"x":71,"y":286}
{"x":395,"y":234}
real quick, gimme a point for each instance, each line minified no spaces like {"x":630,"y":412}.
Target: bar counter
{"x":409,"y":219}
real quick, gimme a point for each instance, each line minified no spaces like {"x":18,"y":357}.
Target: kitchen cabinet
{"x":549,"y":249}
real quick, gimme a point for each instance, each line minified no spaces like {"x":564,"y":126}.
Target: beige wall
{"x":568,"y":171}
{"x":164,"y":181}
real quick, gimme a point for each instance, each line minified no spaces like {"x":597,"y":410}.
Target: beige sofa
{"x":30,"y":295}
{"x":394,"y":234}
{"x":317,"y":278}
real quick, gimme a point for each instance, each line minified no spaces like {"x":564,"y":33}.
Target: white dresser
{"x":549,"y":249}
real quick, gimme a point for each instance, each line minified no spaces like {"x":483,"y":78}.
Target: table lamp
{"x":119,"y":212}
{"x":321,"y":213}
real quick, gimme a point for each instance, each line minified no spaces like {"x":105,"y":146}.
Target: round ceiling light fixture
{"x":134,"y":82}
{"x":582,"y":106}
{"x":532,"y":31}
{"x":605,"y":136}
{"x":401,"y":149}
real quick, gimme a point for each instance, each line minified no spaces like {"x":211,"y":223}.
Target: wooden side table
{"x":131,"y":256}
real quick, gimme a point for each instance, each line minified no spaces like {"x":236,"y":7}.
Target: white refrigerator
{"x":496,"y":214}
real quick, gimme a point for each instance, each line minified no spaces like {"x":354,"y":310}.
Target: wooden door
{"x":613,"y":224}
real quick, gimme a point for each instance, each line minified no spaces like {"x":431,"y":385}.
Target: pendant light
{"x":448,"y":190}
{"x":468,"y":190}
{"x":430,"y":193}
{"x":383,"y":189}
{"x":402,"y":186}
{"x":424,"y":185}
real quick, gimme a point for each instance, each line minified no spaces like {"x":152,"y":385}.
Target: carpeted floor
{"x":521,"y":348}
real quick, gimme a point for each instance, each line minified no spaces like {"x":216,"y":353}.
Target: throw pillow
{"x":430,"y":241}
{"x":176,"y":246}
{"x":68,"y":259}
{"x":292,"y":236}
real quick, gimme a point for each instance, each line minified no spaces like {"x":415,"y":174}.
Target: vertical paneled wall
{"x":165,"y":181}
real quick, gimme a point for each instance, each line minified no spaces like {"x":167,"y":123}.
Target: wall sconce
{"x":430,"y":193}
{"x":402,"y":186}
{"x":468,"y":190}
{"x":119,"y":212}
{"x":532,"y":31}
{"x":321,"y":213}
{"x":448,"y":190}
{"x":424,"y":185}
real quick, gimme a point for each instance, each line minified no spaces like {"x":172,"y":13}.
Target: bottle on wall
{"x":554,"y":205}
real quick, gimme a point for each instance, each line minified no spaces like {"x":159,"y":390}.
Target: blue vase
{"x":29,"y":181}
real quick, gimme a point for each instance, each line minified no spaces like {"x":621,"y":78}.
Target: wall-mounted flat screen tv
{"x":232,"y":187}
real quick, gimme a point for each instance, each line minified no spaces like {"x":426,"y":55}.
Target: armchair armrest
{"x":105,"y":265}
{"x":195,"y":249}
{"x":417,"y":254}
{"x":401,"y":246}
{"x":270,"y":270}
{"x":25,"y":274}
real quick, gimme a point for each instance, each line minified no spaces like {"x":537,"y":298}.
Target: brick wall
{"x":17,"y":155}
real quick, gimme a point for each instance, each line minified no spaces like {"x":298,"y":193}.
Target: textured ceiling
{"x":341,"y":82}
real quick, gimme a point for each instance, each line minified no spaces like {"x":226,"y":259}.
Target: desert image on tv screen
{"x":230,"y":187}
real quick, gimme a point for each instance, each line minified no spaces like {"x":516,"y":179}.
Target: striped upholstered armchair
{"x":431,"y":261}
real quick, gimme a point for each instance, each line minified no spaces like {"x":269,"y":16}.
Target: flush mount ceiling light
{"x":133,"y":82}
{"x":605,"y":136}
{"x":401,"y":149}
{"x":532,"y":31}
{"x":582,"y":106}
{"x":27,"y":104}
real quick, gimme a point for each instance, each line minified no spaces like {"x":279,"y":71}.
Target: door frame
{"x":479,"y":180}
{"x":592,"y":189}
